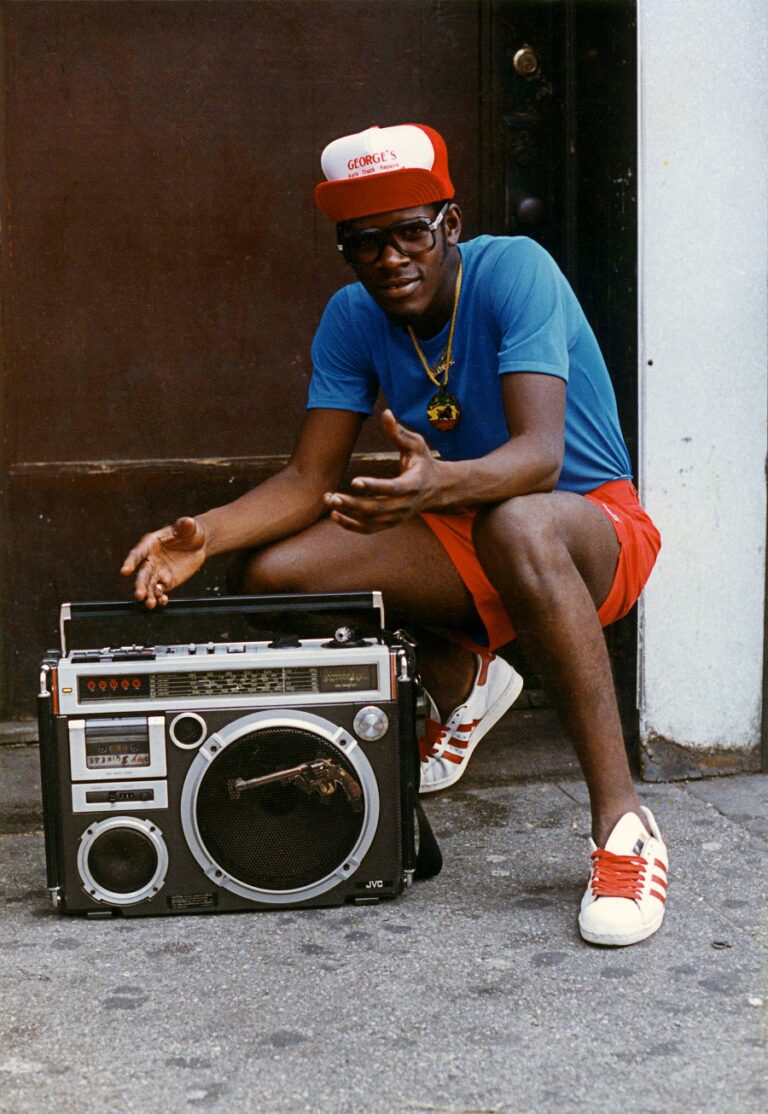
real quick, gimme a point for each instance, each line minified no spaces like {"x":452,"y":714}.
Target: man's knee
{"x":518,"y":544}
{"x":522,"y":526}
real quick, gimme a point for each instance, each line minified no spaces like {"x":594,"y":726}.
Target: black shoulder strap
{"x":429,"y":859}
{"x":426,"y":860}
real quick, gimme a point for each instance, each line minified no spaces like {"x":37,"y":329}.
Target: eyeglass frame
{"x":386,"y":237}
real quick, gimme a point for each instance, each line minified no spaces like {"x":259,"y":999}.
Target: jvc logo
{"x":376,"y":884}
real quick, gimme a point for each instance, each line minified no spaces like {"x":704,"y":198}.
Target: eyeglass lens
{"x":409,"y":238}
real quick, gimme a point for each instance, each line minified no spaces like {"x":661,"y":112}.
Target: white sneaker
{"x":447,"y":747}
{"x":627,"y":892}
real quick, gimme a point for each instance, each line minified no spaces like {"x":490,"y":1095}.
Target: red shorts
{"x":639,"y":542}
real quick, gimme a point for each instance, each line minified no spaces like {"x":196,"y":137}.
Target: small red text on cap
{"x":368,"y":160}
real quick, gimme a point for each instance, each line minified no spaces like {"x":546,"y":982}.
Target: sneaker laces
{"x":617,"y":875}
{"x":429,"y":743}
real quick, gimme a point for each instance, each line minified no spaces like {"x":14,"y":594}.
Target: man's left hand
{"x":377,"y":504}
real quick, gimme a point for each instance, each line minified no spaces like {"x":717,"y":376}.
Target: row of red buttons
{"x":114,"y":684}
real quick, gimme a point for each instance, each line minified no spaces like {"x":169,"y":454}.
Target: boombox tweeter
{"x":229,"y":775}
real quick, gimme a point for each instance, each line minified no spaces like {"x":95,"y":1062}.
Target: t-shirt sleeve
{"x":343,"y":376}
{"x":528,"y":293}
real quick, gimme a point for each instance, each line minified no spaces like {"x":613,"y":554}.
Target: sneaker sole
{"x":612,"y":940}
{"x":503,"y":703}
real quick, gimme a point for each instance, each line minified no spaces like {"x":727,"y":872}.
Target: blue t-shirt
{"x":516,"y":313}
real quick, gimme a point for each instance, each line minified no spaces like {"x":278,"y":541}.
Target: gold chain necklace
{"x":443,"y":410}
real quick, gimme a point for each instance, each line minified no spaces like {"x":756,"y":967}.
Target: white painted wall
{"x":703,"y":205}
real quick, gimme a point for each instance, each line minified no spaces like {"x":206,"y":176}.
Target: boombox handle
{"x":369,"y":603}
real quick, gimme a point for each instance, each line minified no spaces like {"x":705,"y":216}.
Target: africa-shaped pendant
{"x":443,"y":410}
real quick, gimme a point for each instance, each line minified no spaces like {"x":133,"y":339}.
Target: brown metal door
{"x":163,"y":264}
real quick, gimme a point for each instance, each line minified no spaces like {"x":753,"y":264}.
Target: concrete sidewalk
{"x":473,"y":992}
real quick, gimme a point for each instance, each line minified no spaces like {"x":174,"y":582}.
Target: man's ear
{"x":452,"y":224}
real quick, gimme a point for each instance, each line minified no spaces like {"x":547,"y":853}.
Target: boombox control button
{"x":112,"y":796}
{"x":285,"y":642}
{"x":344,"y":638}
{"x":235,"y":649}
{"x":371,"y":723}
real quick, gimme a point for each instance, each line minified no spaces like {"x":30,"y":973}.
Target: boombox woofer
{"x":220,"y":775}
{"x":122,"y":860}
{"x":280,"y":805}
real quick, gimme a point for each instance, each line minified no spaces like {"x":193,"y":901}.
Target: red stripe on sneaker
{"x":659,"y":881}
{"x":457,"y":758}
{"x":468,"y":726}
{"x":660,"y":897}
{"x":663,"y":865}
{"x":429,"y":741}
{"x":485,"y":661}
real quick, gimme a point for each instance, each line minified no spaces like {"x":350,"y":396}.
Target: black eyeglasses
{"x":409,"y":237}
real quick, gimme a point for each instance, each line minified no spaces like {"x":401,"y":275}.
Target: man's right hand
{"x":166,"y":558}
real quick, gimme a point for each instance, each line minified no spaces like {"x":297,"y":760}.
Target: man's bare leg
{"x":421,"y":588}
{"x":552,"y":559}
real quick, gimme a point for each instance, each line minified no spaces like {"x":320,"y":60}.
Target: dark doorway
{"x":164,"y":268}
{"x":563,"y":170}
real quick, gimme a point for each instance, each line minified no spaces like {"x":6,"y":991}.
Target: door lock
{"x":525,"y":61}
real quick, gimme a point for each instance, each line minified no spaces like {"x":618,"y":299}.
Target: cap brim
{"x":350,"y":198}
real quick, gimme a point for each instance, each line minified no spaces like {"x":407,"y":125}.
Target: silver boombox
{"x":223,"y":775}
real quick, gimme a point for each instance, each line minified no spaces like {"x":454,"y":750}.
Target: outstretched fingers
{"x":140,"y":562}
{"x":149,"y":560}
{"x":150,"y":587}
{"x":392,"y":488}
{"x":376,"y":503}
{"x":135,"y":557}
{"x":366,"y":515}
{"x":405,"y":439}
{"x":368,"y":524}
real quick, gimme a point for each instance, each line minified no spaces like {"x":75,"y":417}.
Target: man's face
{"x":407,"y":287}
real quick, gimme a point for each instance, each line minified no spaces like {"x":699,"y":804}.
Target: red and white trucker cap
{"x":382,"y":169}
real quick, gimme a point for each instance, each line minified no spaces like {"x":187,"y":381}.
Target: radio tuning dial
{"x":371,"y":723}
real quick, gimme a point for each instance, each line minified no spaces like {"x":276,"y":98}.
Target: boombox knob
{"x":343,"y":638}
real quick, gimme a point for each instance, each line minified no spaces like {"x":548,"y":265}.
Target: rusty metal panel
{"x":166,"y":266}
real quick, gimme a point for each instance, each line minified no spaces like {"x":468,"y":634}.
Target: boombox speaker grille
{"x":122,"y":860}
{"x":285,"y":834}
